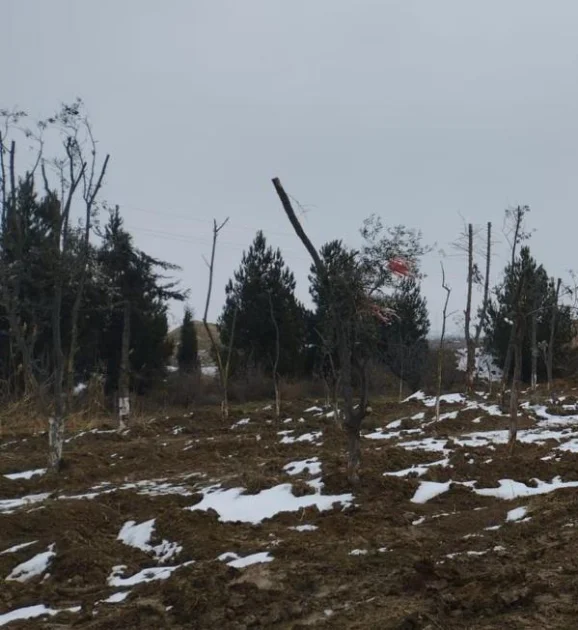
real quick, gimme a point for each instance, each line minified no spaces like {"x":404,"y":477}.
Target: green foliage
{"x":360,"y":281}
{"x":403,"y":341}
{"x":262,"y":282}
{"x":538,"y":296}
{"x":188,"y":352}
{"x":116,"y":271}
{"x":130,"y":274}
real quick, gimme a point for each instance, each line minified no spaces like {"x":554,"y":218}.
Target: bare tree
{"x":223,"y":367}
{"x":92,"y":179}
{"x":517,"y":338}
{"x":486,"y":297}
{"x":515,"y":235}
{"x":470,"y":344}
{"x":69,"y":183}
{"x":275,"y":361}
{"x":353,"y":414}
{"x":467,"y":244}
{"x":445,"y":316}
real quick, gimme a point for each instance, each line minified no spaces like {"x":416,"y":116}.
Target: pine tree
{"x":538,"y":298}
{"x":137,"y":292}
{"x":403,"y":340}
{"x":188,"y":352}
{"x":263,"y":284}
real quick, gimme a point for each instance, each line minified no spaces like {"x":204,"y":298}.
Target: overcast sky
{"x":426,"y":113}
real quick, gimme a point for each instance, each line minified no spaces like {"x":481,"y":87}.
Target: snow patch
{"x":34,"y":567}
{"x":233,"y":505}
{"x":306,"y":437}
{"x":31,"y":612}
{"x":312,"y":466}
{"x":17,"y":547}
{"x":27,"y":474}
{"x":304,"y":528}
{"x":428,"y":490}
{"x":517,"y":514}
{"x":239,"y":562}
{"x":139,"y":535}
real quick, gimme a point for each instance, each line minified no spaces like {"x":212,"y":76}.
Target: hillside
{"x":202,"y":336}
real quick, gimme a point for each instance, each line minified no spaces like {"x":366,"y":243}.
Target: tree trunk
{"x":486,"y":298}
{"x":352,"y":418}
{"x":441,"y":346}
{"x":124,"y":374}
{"x":514,"y":394}
{"x":56,"y":423}
{"x":223,"y":368}
{"x":535,"y":351}
{"x":276,"y":360}
{"x":353,"y":452}
{"x":470,"y":345}
{"x":550,"y":353}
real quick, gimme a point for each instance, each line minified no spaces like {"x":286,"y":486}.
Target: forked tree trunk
{"x":124,"y":374}
{"x":90,"y":195}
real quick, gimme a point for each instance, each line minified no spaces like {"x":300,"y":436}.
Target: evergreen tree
{"x":538,"y":297}
{"x":188,"y":352}
{"x":403,"y":340}
{"x":347,"y":282}
{"x":132,"y":276}
{"x":261,"y":284}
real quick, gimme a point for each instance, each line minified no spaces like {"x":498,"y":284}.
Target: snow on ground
{"x":7,"y":506}
{"x":151,"y":574}
{"x":417,"y":470}
{"x":116,"y":598}
{"x":430,"y":401}
{"x":239,"y":562}
{"x":311,"y":465}
{"x":139,"y":535}
{"x":31,"y":612}
{"x":428,"y":490}
{"x":304,"y":528}
{"x":34,"y":567}
{"x":17,"y":547}
{"x":27,"y":474}
{"x":305,"y":437}
{"x":233,"y":505}
{"x":508,"y":489}
{"x":241,"y":423}
{"x":517,"y":514}
{"x":485,"y":366}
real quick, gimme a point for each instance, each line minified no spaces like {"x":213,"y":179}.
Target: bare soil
{"x":422,"y":566}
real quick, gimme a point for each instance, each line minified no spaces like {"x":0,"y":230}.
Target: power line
{"x":188,"y":217}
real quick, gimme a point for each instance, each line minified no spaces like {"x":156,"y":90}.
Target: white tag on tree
{"x":124,"y":406}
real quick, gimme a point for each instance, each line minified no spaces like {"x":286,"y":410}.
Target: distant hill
{"x":204,"y":341}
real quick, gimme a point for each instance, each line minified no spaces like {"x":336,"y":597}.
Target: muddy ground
{"x":380,"y":560}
